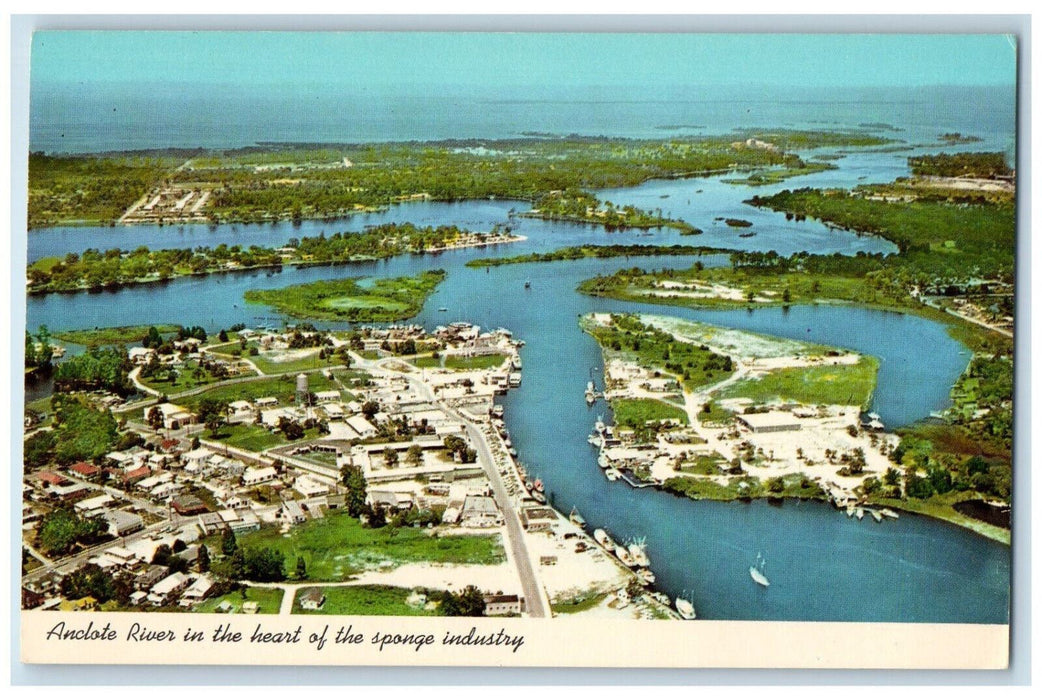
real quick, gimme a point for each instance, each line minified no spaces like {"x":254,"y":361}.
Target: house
{"x":135,"y":475}
{"x":210,"y":523}
{"x":267,"y":402}
{"x":122,"y":523}
{"x":292,"y":513}
{"x":240,"y":410}
{"x":500,"y":604}
{"x":123,"y":557}
{"x":188,"y":505}
{"x":538,"y":518}
{"x":309,"y":487}
{"x":480,"y":511}
{"x":140,"y":356}
{"x":164,"y":592}
{"x":360,"y":425}
{"x":89,"y":507}
{"x":333,"y":411}
{"x":197,"y":592}
{"x":330,"y":396}
{"x":153,"y":574}
{"x":85,"y":470}
{"x":240,"y":520}
{"x":51,"y":479}
{"x":174,"y":417}
{"x":258,"y":475}
{"x":195,"y":460}
{"x":69,"y":492}
{"x":312,"y":599}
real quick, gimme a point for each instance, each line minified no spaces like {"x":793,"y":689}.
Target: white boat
{"x":613,"y":474}
{"x":877,"y":515}
{"x":602,"y":461}
{"x":638,"y":551}
{"x":860,"y":513}
{"x":576,"y":518}
{"x":646,"y":575}
{"x":624,"y":556}
{"x":602,"y":538}
{"x":686,"y":609}
{"x":757,"y":571}
{"x":850,"y":511}
{"x":599,"y":426}
{"x":497,"y":411}
{"x":595,"y":440}
{"x":890,"y":513}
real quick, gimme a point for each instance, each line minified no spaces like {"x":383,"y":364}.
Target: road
{"x":536,"y":602}
{"x":933,"y":304}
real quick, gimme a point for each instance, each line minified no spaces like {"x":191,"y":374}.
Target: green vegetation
{"x":954,"y":137}
{"x":38,"y":351}
{"x":338,"y":546}
{"x":269,"y":600}
{"x":845,"y":384}
{"x":738,"y":223}
{"x":88,"y":189}
{"x":774,"y":176}
{"x":115,"y":267}
{"x":283,"y":388}
{"x":745,"y":487}
{"x":935,"y":238}
{"x":61,"y":530}
{"x":346,"y":300}
{"x":366,"y":600}
{"x":78,"y":432}
{"x":577,"y":205}
{"x":192,"y":374}
{"x":651,"y":347}
{"x":103,"y":369}
{"x":636,"y":413}
{"x":476,"y":362}
{"x":942,"y":509}
{"x":587,"y":600}
{"x":597,"y":251}
{"x":982,"y":165}
{"x":115,"y":335}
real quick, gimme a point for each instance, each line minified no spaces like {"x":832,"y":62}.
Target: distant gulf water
{"x":75,"y":118}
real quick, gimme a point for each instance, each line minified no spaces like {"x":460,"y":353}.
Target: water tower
{"x":303,"y":395}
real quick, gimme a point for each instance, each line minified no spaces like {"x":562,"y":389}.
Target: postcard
{"x":519,"y":349}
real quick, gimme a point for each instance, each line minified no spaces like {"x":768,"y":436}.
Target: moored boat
{"x":624,"y":555}
{"x":602,"y":538}
{"x":860,"y":513}
{"x":877,"y":515}
{"x":686,"y":609}
{"x":890,"y":513}
{"x":613,"y":474}
{"x":646,"y":575}
{"x":576,"y":518}
{"x":638,"y":552}
{"x":758,"y":571}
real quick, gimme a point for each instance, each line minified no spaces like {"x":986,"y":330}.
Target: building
{"x":770,"y":422}
{"x":330,"y":396}
{"x":261,"y":475}
{"x":312,"y":599}
{"x":501,"y":604}
{"x":197,"y":592}
{"x":480,"y":511}
{"x":538,"y":518}
{"x":121,"y":523}
{"x":89,"y":507}
{"x":309,"y":487}
{"x":188,"y":505}
{"x":360,"y":425}
{"x":173,"y":416}
{"x":164,"y":592}
{"x":85,"y":470}
{"x":292,"y":513}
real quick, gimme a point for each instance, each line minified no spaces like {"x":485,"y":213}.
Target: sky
{"x":387,"y":59}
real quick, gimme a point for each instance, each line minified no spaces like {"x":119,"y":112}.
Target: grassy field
{"x":386,"y":299}
{"x":269,"y":363}
{"x":255,"y":438}
{"x":188,"y":377}
{"x":637,"y":412}
{"x":426,"y":361}
{"x":849,"y":385}
{"x":282,"y":388}
{"x":477,"y":362}
{"x":365,"y":600}
{"x":116,"y":335}
{"x":337,"y":546}
{"x":267,"y":599}
{"x":586,"y":600}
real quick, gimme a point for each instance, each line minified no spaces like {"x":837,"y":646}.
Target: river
{"x":822,"y":565}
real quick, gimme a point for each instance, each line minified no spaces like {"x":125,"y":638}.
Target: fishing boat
{"x":602,"y":461}
{"x":576,"y":518}
{"x":638,"y":551}
{"x":613,"y":474}
{"x":624,"y":555}
{"x":747,"y":235}
{"x":890,"y":513}
{"x":603,"y":539}
{"x":685,"y":608}
{"x":850,"y":511}
{"x":443,"y":308}
{"x":860,"y":513}
{"x":877,"y":515}
{"x":538,"y":497}
{"x":757,"y":571}
{"x":646,"y":575}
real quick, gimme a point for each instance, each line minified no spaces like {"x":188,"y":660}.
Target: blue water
{"x":822,"y":565}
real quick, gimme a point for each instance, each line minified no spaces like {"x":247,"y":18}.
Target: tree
{"x":61,"y":529}
{"x":88,"y":580}
{"x":470,"y":602}
{"x":223,"y":336}
{"x":162,"y":555}
{"x":155,"y":418}
{"x":228,"y":543}
{"x":377,"y":518}
{"x":264,"y":565}
{"x":414,"y":455}
{"x":203,"y":562}
{"x":354,"y":479}
{"x":391,"y":457}
{"x":370,"y":408}
{"x":178,"y":546}
{"x":302,"y":569}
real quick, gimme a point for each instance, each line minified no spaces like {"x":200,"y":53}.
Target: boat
{"x":685,"y":608}
{"x":443,"y":308}
{"x":613,"y":474}
{"x":659,"y":597}
{"x":576,"y":518}
{"x":603,"y":539}
{"x":497,"y":411}
{"x":747,"y":235}
{"x":529,"y":486}
{"x":860,"y":513}
{"x":602,"y":461}
{"x":646,"y":575}
{"x":638,"y":551}
{"x":595,"y":440}
{"x":538,"y":484}
{"x":624,"y":555}
{"x":599,"y":426}
{"x":850,"y":511}
{"x":890,"y":513}
{"x":528,"y":284}
{"x":512,"y":452}
{"x":538,"y":497}
{"x":877,"y":515}
{"x":757,"y":571}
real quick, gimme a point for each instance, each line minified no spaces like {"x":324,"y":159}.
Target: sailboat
{"x":757,"y":571}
